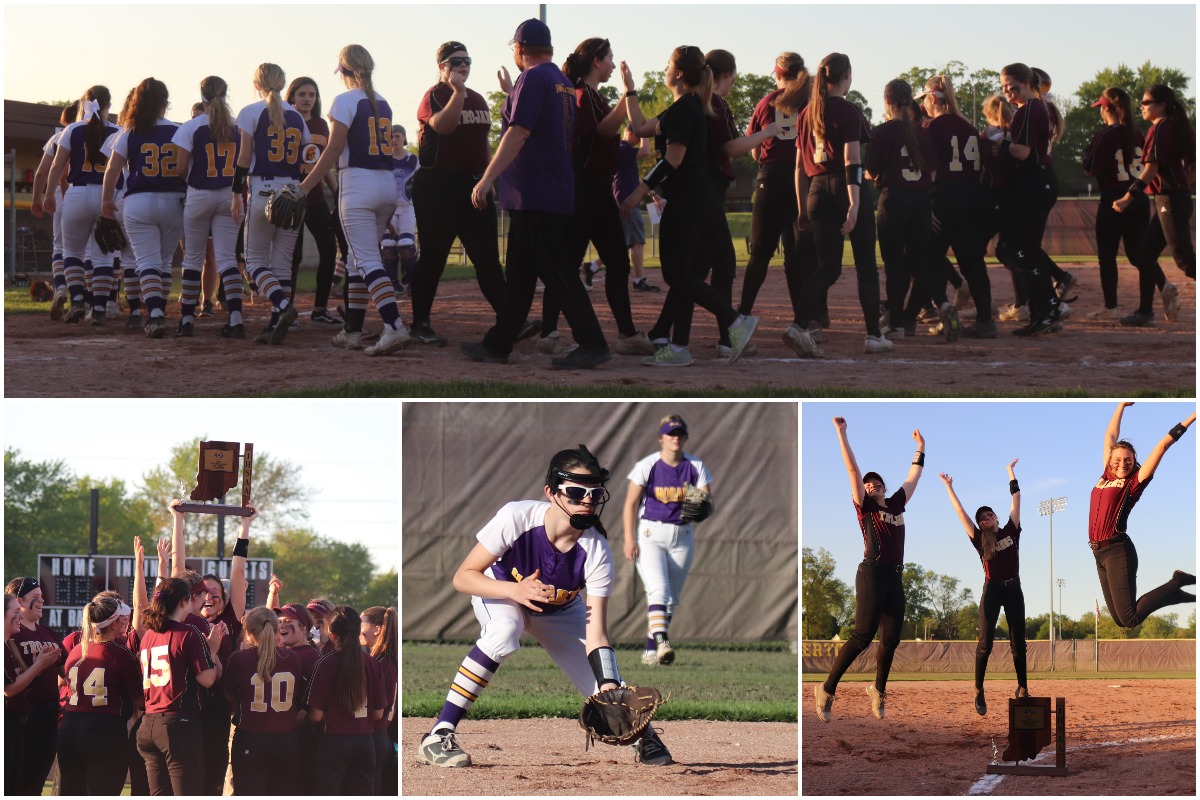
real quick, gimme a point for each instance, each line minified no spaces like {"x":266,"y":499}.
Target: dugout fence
{"x":1071,"y":655}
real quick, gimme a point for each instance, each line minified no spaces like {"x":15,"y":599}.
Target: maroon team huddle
{"x":151,"y":691}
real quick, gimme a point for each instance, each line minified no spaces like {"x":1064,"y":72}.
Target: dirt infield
{"x":1127,"y":737}
{"x":546,"y":757}
{"x":45,"y":359}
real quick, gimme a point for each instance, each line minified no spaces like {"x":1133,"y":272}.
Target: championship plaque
{"x":216,"y":473}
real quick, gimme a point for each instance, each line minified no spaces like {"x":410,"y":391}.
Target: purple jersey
{"x":1111,"y":501}
{"x":627,"y":178}
{"x":212,"y":163}
{"x":1004,"y":564}
{"x":540,"y":178}
{"x":1105,"y":159}
{"x":890,"y":162}
{"x":369,"y":130}
{"x":153,"y":159}
{"x":517,"y":537}
{"x":882,"y":528}
{"x":74,"y":141}
{"x":959,"y":156}
{"x":277,"y":153}
{"x":404,"y":166}
{"x":663,"y":485}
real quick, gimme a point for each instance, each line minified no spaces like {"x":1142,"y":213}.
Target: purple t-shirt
{"x":541,"y":177}
{"x":369,"y":134}
{"x":627,"y":177}
{"x":212,"y":163}
{"x":882,"y":528}
{"x":663,"y":485}
{"x":277,"y":154}
{"x":74,"y":140}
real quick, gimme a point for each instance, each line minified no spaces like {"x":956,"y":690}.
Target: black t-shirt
{"x":685,"y":123}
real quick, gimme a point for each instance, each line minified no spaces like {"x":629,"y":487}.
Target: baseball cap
{"x":446,"y":49}
{"x":873,"y":476}
{"x":297,"y":612}
{"x":668,"y":428}
{"x":532,"y":32}
{"x":1103,"y":101}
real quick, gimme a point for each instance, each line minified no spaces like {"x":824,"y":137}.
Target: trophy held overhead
{"x":217,"y":471}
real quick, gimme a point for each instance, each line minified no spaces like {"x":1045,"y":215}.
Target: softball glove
{"x":697,"y":504}
{"x":110,"y":236}
{"x":41,"y":292}
{"x":286,"y":206}
{"x":618,"y":716}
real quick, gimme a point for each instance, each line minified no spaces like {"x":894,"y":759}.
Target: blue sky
{"x":180,"y":43}
{"x":348,"y":453}
{"x":1060,"y":450}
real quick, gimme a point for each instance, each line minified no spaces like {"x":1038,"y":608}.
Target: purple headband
{"x":672,"y":427}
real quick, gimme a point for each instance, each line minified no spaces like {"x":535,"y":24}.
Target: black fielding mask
{"x":595,"y":475}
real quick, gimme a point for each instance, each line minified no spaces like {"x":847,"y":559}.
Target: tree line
{"x":939,"y":608}
{"x":47,"y":510}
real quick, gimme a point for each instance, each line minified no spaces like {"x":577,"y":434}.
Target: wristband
{"x":1177,"y":431}
{"x":240,"y":547}
{"x":239,"y":179}
{"x":1004,"y":147}
{"x":661,"y":171}
{"x":631,"y":93}
{"x":1137,"y":186}
{"x":920,"y":462}
{"x":1013,"y":488}
{"x":854,"y":174}
{"x":603,"y":662}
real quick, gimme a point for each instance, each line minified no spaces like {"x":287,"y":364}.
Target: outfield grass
{"x":727,"y":685}
{"x":1064,"y":675}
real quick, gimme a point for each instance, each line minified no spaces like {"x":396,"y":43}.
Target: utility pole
{"x":1061,"y":583}
{"x":1048,"y":507}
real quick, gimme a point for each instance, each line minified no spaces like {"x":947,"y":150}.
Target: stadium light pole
{"x":1061,"y":583}
{"x":1048,"y":507}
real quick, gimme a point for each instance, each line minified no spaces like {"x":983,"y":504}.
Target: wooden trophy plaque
{"x":1029,"y":732}
{"x":216,"y":473}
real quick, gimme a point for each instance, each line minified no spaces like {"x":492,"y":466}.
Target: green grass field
{"x":729,"y":685}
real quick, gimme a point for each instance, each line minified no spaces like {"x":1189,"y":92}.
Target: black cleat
{"x":650,"y":750}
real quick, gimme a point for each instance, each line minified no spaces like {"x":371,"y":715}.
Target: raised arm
{"x":1164,"y":444}
{"x":1113,"y":434}
{"x":237,"y":573}
{"x":1014,"y":509}
{"x":856,"y":484}
{"x":276,"y":586}
{"x":918,"y":466}
{"x":967,"y":524}
{"x":164,"y":560}
{"x":139,"y":584}
{"x":178,"y":548}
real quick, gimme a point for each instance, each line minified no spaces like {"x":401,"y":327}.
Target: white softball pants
{"x":154,"y":224}
{"x":266,"y":245}
{"x":560,"y":634}
{"x":80,"y":206}
{"x":57,"y":223}
{"x":366,"y":202}
{"x":404,"y":223}
{"x":664,"y":559}
{"x":205,"y":213}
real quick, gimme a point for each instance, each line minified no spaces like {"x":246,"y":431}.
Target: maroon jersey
{"x":777,"y":149}
{"x":309,"y":656}
{"x":882,"y":528}
{"x":44,"y":689}
{"x":1105,"y":159}
{"x":890,"y":161}
{"x":129,"y":641}
{"x":13,"y":667}
{"x":104,"y":681}
{"x":322,"y":694}
{"x":593,"y":152}
{"x":721,"y":129}
{"x":170,"y":662}
{"x":1112,"y":500}
{"x":388,"y":687}
{"x":844,"y":123}
{"x":1003,"y":564}
{"x":466,"y":148}
{"x":960,"y":152}
{"x":309,"y":154}
{"x":1163,"y":148}
{"x":1031,"y":126}
{"x":265,"y":706}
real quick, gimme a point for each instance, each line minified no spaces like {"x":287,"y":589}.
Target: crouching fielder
{"x":533,"y":560}
{"x":878,"y":593}
{"x":997,"y":548}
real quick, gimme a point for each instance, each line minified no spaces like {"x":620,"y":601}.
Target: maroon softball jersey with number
{"x":268,"y":706}
{"x":958,"y":147}
{"x":1105,"y":159}
{"x":895,"y":167}
{"x":388,"y":688}
{"x":844,"y":123}
{"x":777,"y":149}
{"x":103,"y":681}
{"x":170,"y":662}
{"x":466,"y":148}
{"x":1004,"y":563}
{"x":1031,"y":127}
{"x":593,"y":152}
{"x":322,"y":694}
{"x":882,"y":527}
{"x":1111,"y":501}
{"x":44,"y":688}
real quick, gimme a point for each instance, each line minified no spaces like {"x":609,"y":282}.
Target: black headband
{"x":27,"y":585}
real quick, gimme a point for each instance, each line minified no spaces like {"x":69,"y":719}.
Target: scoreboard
{"x":69,"y":582}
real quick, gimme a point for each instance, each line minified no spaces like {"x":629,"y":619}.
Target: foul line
{"x":987,"y":783}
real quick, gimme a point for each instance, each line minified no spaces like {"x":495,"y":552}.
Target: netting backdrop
{"x":463,"y":461}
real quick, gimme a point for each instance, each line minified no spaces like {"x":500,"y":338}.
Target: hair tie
{"x":157,"y":596}
{"x":90,"y":107}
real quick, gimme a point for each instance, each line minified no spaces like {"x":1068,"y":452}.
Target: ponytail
{"x":98,"y":615}
{"x":385,"y":642}
{"x":832,"y":70}
{"x":579,"y":63}
{"x":344,"y":624}
{"x":93,"y":100}
{"x":269,"y":80}
{"x":898,"y":94}
{"x":798,"y":86}
{"x":356,"y":63}
{"x":216,"y":105}
{"x":1179,"y":118}
{"x":262,"y":626}
{"x":697,"y":75}
{"x":166,"y":599}
{"x":149,"y":103}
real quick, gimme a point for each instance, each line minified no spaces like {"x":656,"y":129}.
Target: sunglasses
{"x":577,"y":494}
{"x":458,"y":61}
{"x":1150,"y":102}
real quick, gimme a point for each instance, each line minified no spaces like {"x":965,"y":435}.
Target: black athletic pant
{"x":319,"y":221}
{"x":597,"y":220}
{"x":1117,"y":567}
{"x":828,"y":202}
{"x":772,"y":218}
{"x":173,"y":747}
{"x":1169,"y":218}
{"x":265,"y":763}
{"x":139,"y":786}
{"x":904,"y":234}
{"x":214,"y":723}
{"x":878,"y":606}
{"x":1113,"y":228}
{"x":537,"y":248}
{"x":1009,"y":595}
{"x":14,"y":752}
{"x":689,"y":228}
{"x":41,"y":741}
{"x":1025,"y":210}
{"x":87,"y":762}
{"x":442,"y":204}
{"x":347,"y":765}
{"x":386,"y":763}
{"x":959,"y":207}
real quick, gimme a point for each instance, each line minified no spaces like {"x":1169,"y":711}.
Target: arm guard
{"x":661,"y":171}
{"x":854,"y":174}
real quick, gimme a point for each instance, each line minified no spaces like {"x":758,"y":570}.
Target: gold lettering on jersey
{"x":561,"y":596}
{"x":1117,"y":483}
{"x":475,"y":117}
{"x":33,"y":648}
{"x":1004,"y":543}
{"x":669,"y":494}
{"x":891,"y":519}
{"x":821,"y":649}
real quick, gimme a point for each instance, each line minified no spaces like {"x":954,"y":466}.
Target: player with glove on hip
{"x":669,"y":491}
{"x":525,"y":575}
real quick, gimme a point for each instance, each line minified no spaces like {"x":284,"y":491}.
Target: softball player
{"x":401,"y":236}
{"x":664,"y":549}
{"x":378,"y":636}
{"x":346,"y":693}
{"x":79,"y":149}
{"x":1169,"y":154}
{"x":40,"y":187}
{"x":361,"y":144}
{"x":263,"y":684}
{"x":273,"y":136}
{"x":998,"y":550}
{"x":525,"y":575}
{"x":878,"y":592}
{"x":295,"y":623}
{"x":207,"y":147}
{"x":154,"y":197}
{"x":17,"y":675}
{"x":32,"y":661}
{"x":102,"y":676}
{"x":1113,"y":497}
